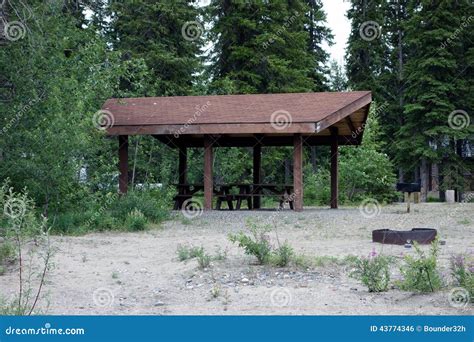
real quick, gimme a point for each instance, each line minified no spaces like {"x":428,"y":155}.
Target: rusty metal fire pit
{"x":400,"y":237}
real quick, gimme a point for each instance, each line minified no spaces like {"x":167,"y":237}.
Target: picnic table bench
{"x":244,"y":193}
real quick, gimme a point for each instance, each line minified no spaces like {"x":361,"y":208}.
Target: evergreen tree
{"x":166,"y":35}
{"x":432,"y":88}
{"x":263,"y":47}
{"x":366,"y":46}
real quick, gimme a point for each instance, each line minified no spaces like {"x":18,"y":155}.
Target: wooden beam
{"x":250,"y":141}
{"x":208,"y":182}
{"x":298,"y":172}
{"x":334,"y":168}
{"x":123,"y":164}
{"x":183,"y":164}
{"x":257,"y":171}
{"x":343,"y":112}
{"x":237,"y":128}
{"x":351,"y":125}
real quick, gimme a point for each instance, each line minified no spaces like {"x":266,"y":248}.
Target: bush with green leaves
{"x":373,"y":271}
{"x":257,"y":243}
{"x":20,"y":226}
{"x":282,"y":255}
{"x":113,"y":212}
{"x":186,"y":253}
{"x":135,"y":220}
{"x":153,"y":204}
{"x":420,"y":272}
{"x":462,"y":271}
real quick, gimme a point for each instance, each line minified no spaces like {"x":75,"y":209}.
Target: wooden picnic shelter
{"x":257,"y":120}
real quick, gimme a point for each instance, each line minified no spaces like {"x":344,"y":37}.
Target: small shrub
{"x":136,"y":220}
{"x":215,"y":291}
{"x":256,"y":244}
{"x":153,"y":205}
{"x":420,"y":272}
{"x":462,"y":270}
{"x":204,"y":259}
{"x":183,"y":253}
{"x":373,"y":271}
{"x":186,"y":253}
{"x":283,"y":255}
{"x":7,"y":252}
{"x":220,"y":254}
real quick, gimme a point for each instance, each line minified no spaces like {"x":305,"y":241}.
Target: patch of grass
{"x":186,"y":221}
{"x":282,"y":255}
{"x":373,"y":271}
{"x":204,"y":259}
{"x":7,"y":252}
{"x":325,"y":260}
{"x":186,"y":253}
{"x":136,"y":220}
{"x":420,"y":272}
{"x":220,"y":254}
{"x":462,"y":270}
{"x":215,"y":291}
{"x":465,"y":221}
{"x":256,"y":244}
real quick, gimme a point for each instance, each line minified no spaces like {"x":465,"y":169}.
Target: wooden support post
{"x":334,"y":168}
{"x":298,"y":171}
{"x":123,"y":164}
{"x":208,"y":183}
{"x":257,"y":161}
{"x":183,"y":164}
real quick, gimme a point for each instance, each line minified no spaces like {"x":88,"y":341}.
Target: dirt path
{"x":138,"y":273}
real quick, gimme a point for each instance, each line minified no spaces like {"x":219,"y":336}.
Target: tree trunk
{"x":424,"y":179}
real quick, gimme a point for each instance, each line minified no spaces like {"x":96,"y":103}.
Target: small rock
{"x":353,"y":289}
{"x":159,"y":303}
{"x":244,"y":280}
{"x":2,"y":239}
{"x":286,"y":276}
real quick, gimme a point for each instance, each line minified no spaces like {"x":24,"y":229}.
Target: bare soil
{"x":139,"y":273}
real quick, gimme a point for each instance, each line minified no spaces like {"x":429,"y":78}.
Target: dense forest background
{"x":61,"y":59}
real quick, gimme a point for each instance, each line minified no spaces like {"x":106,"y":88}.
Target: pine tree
{"x":318,"y":34}
{"x":166,"y":35}
{"x":263,"y":47}
{"x":366,"y":46}
{"x":432,"y":88}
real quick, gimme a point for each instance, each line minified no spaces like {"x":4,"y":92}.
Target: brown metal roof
{"x":227,"y":114}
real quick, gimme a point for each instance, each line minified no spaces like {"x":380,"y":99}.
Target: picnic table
{"x":238,"y":192}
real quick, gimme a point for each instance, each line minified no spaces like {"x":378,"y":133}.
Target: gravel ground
{"x":139,"y":273}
